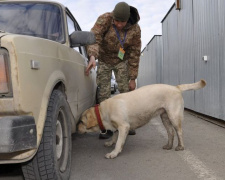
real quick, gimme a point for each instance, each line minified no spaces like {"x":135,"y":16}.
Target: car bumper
{"x":17,"y":133}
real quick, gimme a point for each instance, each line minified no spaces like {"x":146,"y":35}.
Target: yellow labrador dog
{"x":134,"y":109}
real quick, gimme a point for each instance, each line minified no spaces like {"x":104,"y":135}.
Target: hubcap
{"x":59,"y":139}
{"x":62,"y":141}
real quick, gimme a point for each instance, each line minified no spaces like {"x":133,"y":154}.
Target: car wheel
{"x":53,"y":158}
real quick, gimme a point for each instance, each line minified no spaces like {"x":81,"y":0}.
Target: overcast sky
{"x":151,"y":13}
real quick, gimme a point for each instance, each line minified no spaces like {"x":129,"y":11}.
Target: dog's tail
{"x":198,"y":85}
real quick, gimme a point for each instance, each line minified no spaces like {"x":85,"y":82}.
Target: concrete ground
{"x":143,"y":157}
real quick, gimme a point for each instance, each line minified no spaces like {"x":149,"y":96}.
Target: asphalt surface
{"x":143,"y":157}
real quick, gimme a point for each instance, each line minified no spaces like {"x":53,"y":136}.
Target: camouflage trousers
{"x":104,"y":73}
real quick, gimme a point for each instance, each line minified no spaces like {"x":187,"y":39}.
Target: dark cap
{"x":121,"y":12}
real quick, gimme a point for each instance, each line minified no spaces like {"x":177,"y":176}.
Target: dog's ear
{"x":91,"y":120}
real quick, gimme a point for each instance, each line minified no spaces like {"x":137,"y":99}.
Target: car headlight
{"x":5,"y":80}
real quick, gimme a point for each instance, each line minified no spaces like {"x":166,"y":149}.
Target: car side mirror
{"x":82,"y":38}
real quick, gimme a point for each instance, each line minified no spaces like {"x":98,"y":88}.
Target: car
{"x":114,"y":85}
{"x":43,"y":86}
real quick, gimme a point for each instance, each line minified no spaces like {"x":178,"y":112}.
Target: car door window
{"x":71,"y":29}
{"x":83,"y":51}
{"x":73,"y":26}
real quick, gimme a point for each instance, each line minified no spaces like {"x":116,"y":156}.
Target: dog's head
{"x":88,"y":122}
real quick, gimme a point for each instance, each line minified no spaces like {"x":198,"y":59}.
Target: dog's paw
{"x":108,"y":143}
{"x":111,"y":155}
{"x":167,"y":147}
{"x":179,"y":148}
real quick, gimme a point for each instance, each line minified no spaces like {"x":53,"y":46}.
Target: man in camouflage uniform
{"x":117,"y":48}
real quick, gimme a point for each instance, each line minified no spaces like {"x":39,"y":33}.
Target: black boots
{"x":132,"y":132}
{"x":107,"y":134}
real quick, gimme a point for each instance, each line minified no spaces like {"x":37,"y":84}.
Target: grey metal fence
{"x":194,"y":33}
{"x":151,"y":63}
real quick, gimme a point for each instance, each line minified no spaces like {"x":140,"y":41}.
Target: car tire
{"x":53,"y":158}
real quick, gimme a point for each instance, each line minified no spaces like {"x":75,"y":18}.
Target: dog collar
{"x":99,"y":118}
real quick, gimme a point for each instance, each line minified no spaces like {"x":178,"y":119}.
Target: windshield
{"x":34,"y":19}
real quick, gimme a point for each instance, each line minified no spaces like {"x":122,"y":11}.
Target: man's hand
{"x":91,"y":64}
{"x":132,"y":85}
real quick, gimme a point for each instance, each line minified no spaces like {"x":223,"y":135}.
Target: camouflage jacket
{"x":107,"y":43}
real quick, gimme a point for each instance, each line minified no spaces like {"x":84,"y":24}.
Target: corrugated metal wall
{"x":150,"y":66}
{"x":178,"y":49}
{"x":206,"y":42}
{"x":221,"y":11}
{"x":197,"y":30}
